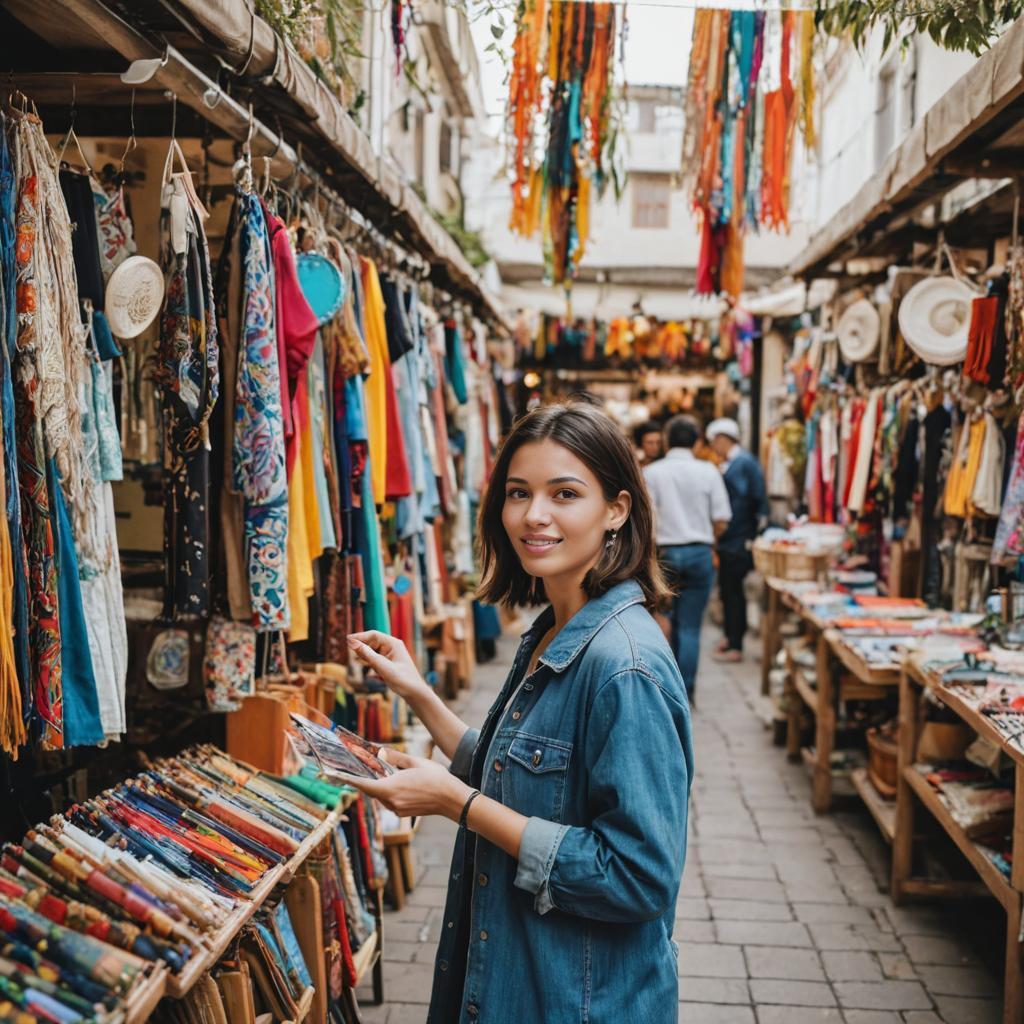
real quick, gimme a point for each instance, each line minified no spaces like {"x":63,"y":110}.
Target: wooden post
{"x":825,"y":729}
{"x":1013,"y":989}
{"x":770,"y":636}
{"x":903,"y":836}
{"x":1013,"y":997}
{"x":794,"y":714}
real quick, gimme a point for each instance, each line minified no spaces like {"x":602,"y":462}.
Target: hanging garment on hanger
{"x":46,"y":317}
{"x":99,"y":563}
{"x":258,"y":461}
{"x":963,"y":470}
{"x":1009,"y":539}
{"x":295,"y":321}
{"x":229,"y":552}
{"x":12,"y":496}
{"x":186,"y":370}
{"x":986,"y":495}
{"x":865,"y":447}
{"x":387,"y":445}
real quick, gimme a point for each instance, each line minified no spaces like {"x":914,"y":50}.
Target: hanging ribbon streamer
{"x":571,"y":47}
{"x":741,"y":111}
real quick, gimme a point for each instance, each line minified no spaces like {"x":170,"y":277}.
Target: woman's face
{"x":555,"y":512}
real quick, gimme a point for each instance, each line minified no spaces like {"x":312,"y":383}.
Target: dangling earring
{"x":611,"y":540}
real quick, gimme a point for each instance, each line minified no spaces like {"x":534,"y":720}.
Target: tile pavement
{"x":783,"y":917}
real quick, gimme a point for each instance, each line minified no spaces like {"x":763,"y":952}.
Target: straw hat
{"x":133,"y":296}
{"x":858,"y":331}
{"x":934,"y":318}
{"x":321,"y":283}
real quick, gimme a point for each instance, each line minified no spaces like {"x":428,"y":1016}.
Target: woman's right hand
{"x":391,"y":660}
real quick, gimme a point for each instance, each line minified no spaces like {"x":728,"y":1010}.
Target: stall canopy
{"x":220,"y":58}
{"x":975,"y":130}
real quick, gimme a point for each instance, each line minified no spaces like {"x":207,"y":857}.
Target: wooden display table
{"x":914,"y":788}
{"x":782,"y":598}
{"x":860,"y":681}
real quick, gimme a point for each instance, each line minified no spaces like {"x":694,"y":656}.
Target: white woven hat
{"x":133,"y":296}
{"x":723,"y":425}
{"x":858,"y":331}
{"x":934,"y":318}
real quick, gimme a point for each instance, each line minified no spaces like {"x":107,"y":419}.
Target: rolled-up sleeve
{"x":626,"y":865}
{"x":538,"y":848}
{"x":462,"y":759}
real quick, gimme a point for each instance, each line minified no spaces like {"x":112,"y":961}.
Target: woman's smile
{"x":540,"y":545}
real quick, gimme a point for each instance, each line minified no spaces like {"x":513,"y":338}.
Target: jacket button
{"x":497,"y":765}
{"x":537,"y":755}
{"x":528,"y":687}
{"x":516,"y":715}
{"x":471,"y":1009}
{"x":442,"y":965}
{"x":481,"y":879}
{"x":483,"y":936}
{"x":451,"y":924}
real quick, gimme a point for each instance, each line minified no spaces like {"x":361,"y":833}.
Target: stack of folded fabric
{"x":142,"y":874}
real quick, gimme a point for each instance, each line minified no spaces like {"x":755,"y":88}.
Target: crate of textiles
{"x":154,"y":876}
{"x":303,"y":958}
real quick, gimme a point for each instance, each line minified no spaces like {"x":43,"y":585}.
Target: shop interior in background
{"x":288,"y":408}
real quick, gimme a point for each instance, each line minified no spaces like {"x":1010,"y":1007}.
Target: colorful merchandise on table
{"x":149,"y":868}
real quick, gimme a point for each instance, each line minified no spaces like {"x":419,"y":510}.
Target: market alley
{"x":783,"y":917}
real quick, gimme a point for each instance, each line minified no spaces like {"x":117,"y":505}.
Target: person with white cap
{"x":744,"y":481}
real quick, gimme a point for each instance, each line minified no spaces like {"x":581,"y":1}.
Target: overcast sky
{"x":657,"y":52}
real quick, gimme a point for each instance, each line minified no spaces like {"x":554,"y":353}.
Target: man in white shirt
{"x":692,"y":508}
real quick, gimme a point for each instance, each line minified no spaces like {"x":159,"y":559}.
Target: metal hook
{"x":132,"y":142}
{"x":174,"y":116}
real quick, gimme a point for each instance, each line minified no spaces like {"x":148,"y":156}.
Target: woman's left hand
{"x":420,"y":787}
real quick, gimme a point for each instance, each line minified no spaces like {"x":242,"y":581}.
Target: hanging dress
{"x":186,"y":370}
{"x":258,"y":456}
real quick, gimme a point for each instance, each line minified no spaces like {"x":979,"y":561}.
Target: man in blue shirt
{"x":744,"y":481}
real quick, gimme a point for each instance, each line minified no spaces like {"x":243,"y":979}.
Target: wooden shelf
{"x":808,"y":693}
{"x":994,"y":879}
{"x":980,"y":723}
{"x":305,"y":1004}
{"x":144,"y":996}
{"x":857,"y":665}
{"x":217,"y":944}
{"x":883,"y":811}
{"x":365,"y":956}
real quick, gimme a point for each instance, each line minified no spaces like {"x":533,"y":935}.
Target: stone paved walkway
{"x":783,"y":917}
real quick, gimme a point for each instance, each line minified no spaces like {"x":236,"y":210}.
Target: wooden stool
{"x":398,"y":849}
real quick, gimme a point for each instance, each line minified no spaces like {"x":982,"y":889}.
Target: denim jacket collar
{"x":580,"y":629}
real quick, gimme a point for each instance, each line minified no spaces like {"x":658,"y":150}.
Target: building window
{"x":445,"y":155}
{"x":646,"y":116}
{"x":651,"y":194}
{"x":885,"y":113}
{"x":417,"y":143}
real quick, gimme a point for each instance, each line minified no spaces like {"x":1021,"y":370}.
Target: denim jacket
{"x":594,"y":748}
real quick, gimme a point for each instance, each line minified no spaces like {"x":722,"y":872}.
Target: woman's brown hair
{"x":593,"y":437}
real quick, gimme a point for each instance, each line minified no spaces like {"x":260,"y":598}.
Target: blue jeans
{"x":691,"y":576}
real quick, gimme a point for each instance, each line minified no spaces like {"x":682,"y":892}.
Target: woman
{"x":572,"y":798}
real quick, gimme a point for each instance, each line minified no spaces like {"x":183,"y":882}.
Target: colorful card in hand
{"x":340,"y":752}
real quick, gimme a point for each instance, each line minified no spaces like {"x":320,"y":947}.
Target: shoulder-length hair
{"x":594,"y":438}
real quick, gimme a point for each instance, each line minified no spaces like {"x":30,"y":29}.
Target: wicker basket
{"x":789,"y":563}
{"x":882,"y":762}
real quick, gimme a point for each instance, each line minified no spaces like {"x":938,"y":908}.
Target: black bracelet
{"x":465,"y":808}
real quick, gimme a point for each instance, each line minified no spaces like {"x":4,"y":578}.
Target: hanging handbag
{"x":229,"y":667}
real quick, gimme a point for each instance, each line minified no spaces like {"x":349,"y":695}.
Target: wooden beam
{"x":1001,"y":164}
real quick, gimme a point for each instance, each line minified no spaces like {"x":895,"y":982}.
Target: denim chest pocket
{"x":534,"y":780}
